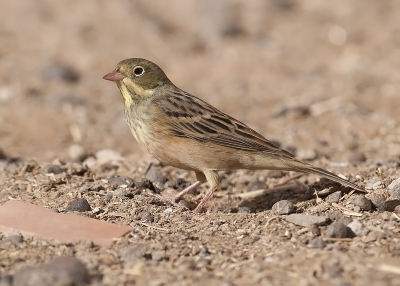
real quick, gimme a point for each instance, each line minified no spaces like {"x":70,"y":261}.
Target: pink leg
{"x":178,"y":196}
{"x":205,"y":199}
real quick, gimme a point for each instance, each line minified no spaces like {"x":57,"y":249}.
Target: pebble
{"x":359,"y":201}
{"x":120,"y":193}
{"x":133,"y":253}
{"x":306,"y":220}
{"x":306,"y":154}
{"x":90,"y":162}
{"x":391,"y":204}
{"x":57,"y":71}
{"x":256,"y":185}
{"x":394,"y":183}
{"x":70,"y":267}
{"x":6,"y":280}
{"x":78,"y":205}
{"x":357,"y":228}
{"x":52,"y":169}
{"x":154,"y":174}
{"x":244,"y":210}
{"x":108,"y":197}
{"x":378,"y":200}
{"x":168,"y":210}
{"x":122,"y":181}
{"x":397,"y":210}
{"x":356,"y":157}
{"x":146,"y":216}
{"x":108,"y":156}
{"x":334,"y":197}
{"x":61,"y":271}
{"x":336,"y":230}
{"x":15,"y":239}
{"x":158,"y":255}
{"x":282,"y":207}
{"x":317,"y":242}
{"x":76,"y":152}
{"x":395,"y":191}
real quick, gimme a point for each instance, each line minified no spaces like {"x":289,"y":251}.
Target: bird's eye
{"x":138,"y":71}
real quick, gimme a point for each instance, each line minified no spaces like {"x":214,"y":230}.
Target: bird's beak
{"x":114,"y":76}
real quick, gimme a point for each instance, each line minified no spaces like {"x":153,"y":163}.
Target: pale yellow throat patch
{"x":135,"y":87}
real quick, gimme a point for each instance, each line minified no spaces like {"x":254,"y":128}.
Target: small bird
{"x":183,"y":131}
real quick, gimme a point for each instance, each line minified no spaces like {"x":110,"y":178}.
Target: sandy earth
{"x":321,"y":78}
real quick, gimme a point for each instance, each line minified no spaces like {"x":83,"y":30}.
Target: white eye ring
{"x":138,"y":71}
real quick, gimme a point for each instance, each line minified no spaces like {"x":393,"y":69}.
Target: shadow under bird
{"x":183,"y":131}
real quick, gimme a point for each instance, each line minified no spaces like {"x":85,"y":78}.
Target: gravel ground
{"x":319,"y":78}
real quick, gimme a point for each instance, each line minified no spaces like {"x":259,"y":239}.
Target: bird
{"x":183,"y":131}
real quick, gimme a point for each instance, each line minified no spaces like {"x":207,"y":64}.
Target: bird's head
{"x":137,"y":77}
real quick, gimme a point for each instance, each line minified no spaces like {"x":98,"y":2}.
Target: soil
{"x":320,"y":78}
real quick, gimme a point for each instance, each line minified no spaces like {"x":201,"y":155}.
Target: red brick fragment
{"x":34,"y":220}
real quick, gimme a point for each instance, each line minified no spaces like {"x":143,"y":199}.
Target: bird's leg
{"x":205,"y":199}
{"x":213,"y":179}
{"x":179,"y":195}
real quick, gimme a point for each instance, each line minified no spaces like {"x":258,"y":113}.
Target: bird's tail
{"x":308,"y":168}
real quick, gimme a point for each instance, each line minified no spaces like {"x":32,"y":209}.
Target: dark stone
{"x":282,"y":207}
{"x":336,"y":230}
{"x":52,"y":169}
{"x":78,"y":205}
{"x":122,"y":181}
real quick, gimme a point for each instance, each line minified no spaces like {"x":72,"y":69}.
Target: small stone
{"x":386,"y":215}
{"x":168,"y":210}
{"x":146,"y":216}
{"x":69,"y":267}
{"x":391,"y":204}
{"x":306,"y":220}
{"x":158,"y":255}
{"x":58,"y":71}
{"x":317,"y":242}
{"x":108,"y":197}
{"x":397,"y":210}
{"x":52,"y":169}
{"x":256,"y":185}
{"x":122,"y":181}
{"x":378,"y":200}
{"x":90,"y":162}
{"x":360,"y":201}
{"x":357,"y":228}
{"x":356,"y":157}
{"x":132,"y":253}
{"x":372,"y":236}
{"x":76,"y":153}
{"x":154,"y":174}
{"x":108,"y":156}
{"x":78,"y":205}
{"x":336,"y":230}
{"x":282,"y":207}
{"x":16,"y":239}
{"x":120,"y":193}
{"x":6,"y":280}
{"x":395,"y":191}
{"x":333,"y":198}
{"x":394,"y":183}
{"x":374,"y":184}
{"x":244,"y":210}
{"x":306,"y":154}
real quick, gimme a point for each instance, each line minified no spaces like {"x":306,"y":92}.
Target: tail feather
{"x":308,"y":168}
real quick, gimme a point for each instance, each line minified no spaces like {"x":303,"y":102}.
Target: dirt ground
{"x":321,"y":78}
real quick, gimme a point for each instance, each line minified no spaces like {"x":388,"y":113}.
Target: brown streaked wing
{"x":193,"y":118}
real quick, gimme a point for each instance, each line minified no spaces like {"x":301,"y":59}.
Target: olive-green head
{"x":138,"y":76}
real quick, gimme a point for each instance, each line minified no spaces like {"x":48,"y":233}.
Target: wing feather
{"x":193,"y":118}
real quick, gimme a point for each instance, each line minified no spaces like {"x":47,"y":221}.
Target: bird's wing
{"x":193,"y":118}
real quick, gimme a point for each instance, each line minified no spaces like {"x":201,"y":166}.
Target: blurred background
{"x":323,"y":76}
